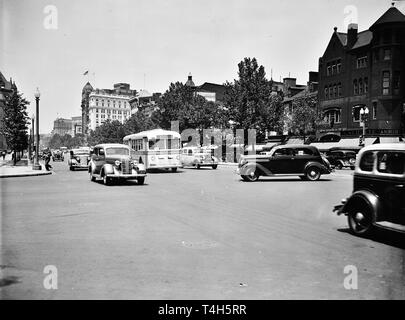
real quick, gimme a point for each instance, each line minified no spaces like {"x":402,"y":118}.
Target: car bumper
{"x":126,"y":176}
{"x":82,"y":166}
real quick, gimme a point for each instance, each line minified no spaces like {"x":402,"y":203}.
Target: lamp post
{"x":36,"y":165}
{"x":363,"y":119}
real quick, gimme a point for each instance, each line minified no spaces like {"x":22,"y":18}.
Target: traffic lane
{"x":191,"y":240}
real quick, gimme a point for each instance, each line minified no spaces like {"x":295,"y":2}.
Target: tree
{"x":139,"y":122}
{"x":304,"y":116}
{"x":108,"y":132}
{"x":181,"y":103}
{"x":15,"y":126}
{"x":250,"y":101}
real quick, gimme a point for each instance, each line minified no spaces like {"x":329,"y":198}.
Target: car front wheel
{"x":250,"y":175}
{"x":106,"y":180}
{"x":360,"y":220}
{"x":141,"y":180}
{"x":214,"y":166}
{"x":313,"y":174}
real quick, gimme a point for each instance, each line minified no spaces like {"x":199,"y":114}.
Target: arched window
{"x":355,"y":87}
{"x":332,"y":116}
{"x":360,"y":86}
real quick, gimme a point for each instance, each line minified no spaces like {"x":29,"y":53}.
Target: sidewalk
{"x":8,"y":170}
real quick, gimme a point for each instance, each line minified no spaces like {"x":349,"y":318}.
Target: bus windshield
{"x":117,"y":151}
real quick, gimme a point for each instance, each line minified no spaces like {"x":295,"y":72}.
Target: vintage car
{"x":198,"y":157}
{"x":79,"y":159}
{"x":57,"y":155}
{"x":378,"y":197}
{"x":298,"y":160}
{"x":340,"y":159}
{"x":113,"y":161}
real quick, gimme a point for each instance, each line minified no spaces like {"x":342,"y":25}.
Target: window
{"x":387,"y":54}
{"x":335,"y":91}
{"x":283,"y":152}
{"x":365,"y":85}
{"x":339,"y":89}
{"x":356,"y":113}
{"x":362,"y":62}
{"x":339,"y":66}
{"x":330,"y":92}
{"x":391,"y":162}
{"x":328,"y":70}
{"x":332,"y":116}
{"x":360,"y":86}
{"x":137,"y":145}
{"x":303,"y":152}
{"x":396,"y":82}
{"x":334,"y":69}
{"x":374,"y":110}
{"x":386,"y":82}
{"x":355,"y":87}
{"x":367,"y":162}
{"x":190,"y":152}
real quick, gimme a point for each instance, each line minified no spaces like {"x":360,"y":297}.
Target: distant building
{"x":6,"y":89}
{"x":62,"y":126}
{"x":145,"y":102}
{"x":210,"y":91}
{"x":364,"y":69}
{"x":76,"y":125}
{"x":99,"y":105}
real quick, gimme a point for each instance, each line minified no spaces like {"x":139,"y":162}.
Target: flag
{"x":85,"y":74}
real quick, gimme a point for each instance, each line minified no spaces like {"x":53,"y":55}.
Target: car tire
{"x":360,"y":220}
{"x":174,"y":169}
{"x":141,"y":180}
{"x":352,"y":167}
{"x":106,"y":180}
{"x":214,"y":166}
{"x":72,"y":168}
{"x":313,"y":174}
{"x":251,"y":175}
{"x":339,"y":166}
{"x":198,"y":166}
{"x":92,"y":178}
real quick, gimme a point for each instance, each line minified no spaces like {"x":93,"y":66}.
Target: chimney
{"x":352,"y":34}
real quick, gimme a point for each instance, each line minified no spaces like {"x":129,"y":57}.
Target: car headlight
{"x":178,"y":157}
{"x":117,"y":163}
{"x":153,"y":158}
{"x":78,"y":158}
{"x":242,"y":162}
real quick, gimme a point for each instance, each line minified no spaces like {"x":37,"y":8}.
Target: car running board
{"x":391,"y":226}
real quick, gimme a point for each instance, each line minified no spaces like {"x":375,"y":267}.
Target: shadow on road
{"x":270,"y":179}
{"x":388,"y":237}
{"x":153,"y":171}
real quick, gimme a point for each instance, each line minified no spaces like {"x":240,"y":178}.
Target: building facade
{"x":62,"y":126}
{"x":100,"y":105}
{"x":364,"y":71}
{"x":210,"y":91}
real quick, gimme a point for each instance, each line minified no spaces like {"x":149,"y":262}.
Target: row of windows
{"x":334,"y":67}
{"x":386,"y":83}
{"x":113,"y":112}
{"x":333,"y":91}
{"x":360,"y":86}
{"x":333,"y":116}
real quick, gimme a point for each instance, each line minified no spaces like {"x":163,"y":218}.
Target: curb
{"x":25,"y":175}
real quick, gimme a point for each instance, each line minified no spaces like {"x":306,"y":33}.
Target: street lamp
{"x":363,"y":119}
{"x":36,"y":165}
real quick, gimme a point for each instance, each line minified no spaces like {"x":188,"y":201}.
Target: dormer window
{"x":362,"y":62}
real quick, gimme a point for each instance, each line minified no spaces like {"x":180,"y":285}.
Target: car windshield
{"x":118,"y":151}
{"x":80,"y":152}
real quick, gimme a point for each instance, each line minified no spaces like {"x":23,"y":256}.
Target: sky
{"x":49,"y":44}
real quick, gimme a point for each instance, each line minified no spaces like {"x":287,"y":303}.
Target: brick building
{"x":364,"y":69}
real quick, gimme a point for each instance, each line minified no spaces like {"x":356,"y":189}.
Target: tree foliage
{"x":250,"y":101}
{"x":66,"y":140}
{"x":15,"y":122}
{"x":108,"y":132}
{"x":304,"y":116}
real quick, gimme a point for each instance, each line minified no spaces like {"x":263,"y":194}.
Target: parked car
{"x":340,"y":159}
{"x":198,"y":157}
{"x":113,"y":161}
{"x":79,"y":159}
{"x":302,"y":160}
{"x":57,"y":155}
{"x":378,"y":197}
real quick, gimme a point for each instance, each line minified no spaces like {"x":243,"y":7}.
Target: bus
{"x":156,"y":149}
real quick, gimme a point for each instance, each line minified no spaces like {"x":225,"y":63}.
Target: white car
{"x":198,"y":157}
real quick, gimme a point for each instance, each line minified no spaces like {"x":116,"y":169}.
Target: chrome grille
{"x":126,"y":166}
{"x":83,"y":159}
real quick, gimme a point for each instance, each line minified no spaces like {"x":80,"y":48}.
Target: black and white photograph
{"x":216,"y":150}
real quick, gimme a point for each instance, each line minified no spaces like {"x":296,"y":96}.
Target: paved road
{"x":195,"y":234}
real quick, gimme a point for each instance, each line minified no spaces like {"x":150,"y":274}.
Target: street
{"x":194,"y":234}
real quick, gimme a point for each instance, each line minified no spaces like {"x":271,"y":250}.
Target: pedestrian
{"x":3,"y":154}
{"x":48,"y":167}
